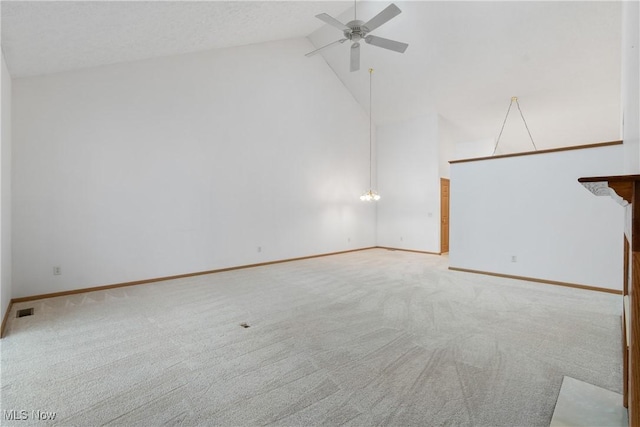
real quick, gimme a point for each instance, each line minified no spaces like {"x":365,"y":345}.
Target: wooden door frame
{"x":442,"y":228}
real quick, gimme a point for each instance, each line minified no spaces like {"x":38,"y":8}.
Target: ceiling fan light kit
{"x":370,"y":195}
{"x":357,"y":30}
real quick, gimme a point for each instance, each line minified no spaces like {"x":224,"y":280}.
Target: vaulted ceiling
{"x":465,"y":59}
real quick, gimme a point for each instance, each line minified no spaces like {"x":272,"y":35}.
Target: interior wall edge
{"x":5,"y":319}
{"x":6,"y":245}
{"x":550,"y":150}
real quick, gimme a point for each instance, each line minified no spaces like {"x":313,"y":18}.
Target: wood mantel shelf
{"x":625,"y":189}
{"x":619,"y":187}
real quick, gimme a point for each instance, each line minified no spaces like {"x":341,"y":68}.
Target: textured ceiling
{"x":43,"y":37}
{"x":465,"y":59}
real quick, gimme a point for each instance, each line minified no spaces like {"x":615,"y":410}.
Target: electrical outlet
{"x":259,"y":248}
{"x":514,"y":258}
{"x":57,"y":271}
{"x":401,"y":239}
{"x":348,"y":239}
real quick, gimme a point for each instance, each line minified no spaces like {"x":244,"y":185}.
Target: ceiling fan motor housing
{"x":357,"y":30}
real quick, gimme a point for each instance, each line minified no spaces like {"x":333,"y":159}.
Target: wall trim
{"x":545,"y":281}
{"x":529,"y":153}
{"x":178,"y":276}
{"x":5,"y":319}
{"x":261,"y":264}
{"x":408,"y":250}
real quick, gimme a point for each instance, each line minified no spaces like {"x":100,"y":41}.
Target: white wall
{"x":5,"y":185}
{"x":409,"y":185}
{"x":185,"y":164}
{"x":534,"y":208}
{"x":631,"y":85}
{"x":446,"y":145}
{"x":472,"y":149}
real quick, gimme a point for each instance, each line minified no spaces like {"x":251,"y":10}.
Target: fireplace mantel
{"x":625,"y":190}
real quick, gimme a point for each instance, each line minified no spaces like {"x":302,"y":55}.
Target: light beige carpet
{"x":375,"y":337}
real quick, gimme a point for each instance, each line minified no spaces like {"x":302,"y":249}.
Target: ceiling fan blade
{"x":382,"y":17}
{"x":333,"y":21}
{"x":324,"y":47}
{"x":386,"y":43}
{"x":355,"y":57}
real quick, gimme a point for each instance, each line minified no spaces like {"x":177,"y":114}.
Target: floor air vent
{"x":25,"y":312}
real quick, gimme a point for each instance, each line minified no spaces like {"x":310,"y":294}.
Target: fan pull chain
{"x":513,"y":98}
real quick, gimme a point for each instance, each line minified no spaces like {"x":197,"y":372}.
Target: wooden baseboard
{"x":220,"y":270}
{"x":5,"y":319}
{"x":178,"y":276}
{"x":545,"y":281}
{"x":408,"y":250}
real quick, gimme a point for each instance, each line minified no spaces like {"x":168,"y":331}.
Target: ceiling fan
{"x":357,"y":30}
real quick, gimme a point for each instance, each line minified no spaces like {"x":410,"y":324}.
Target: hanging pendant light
{"x":513,"y":99}
{"x":370,"y":195}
